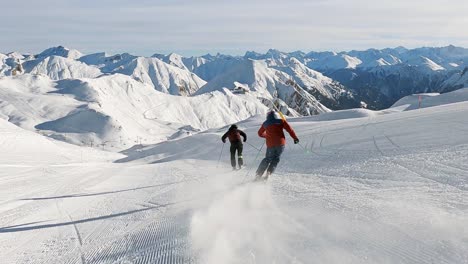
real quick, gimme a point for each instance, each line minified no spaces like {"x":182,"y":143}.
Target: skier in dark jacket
{"x":234,"y":135}
{"x":272,"y":131}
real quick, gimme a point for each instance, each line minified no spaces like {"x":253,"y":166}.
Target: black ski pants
{"x":236,"y":146}
{"x":271,"y":160}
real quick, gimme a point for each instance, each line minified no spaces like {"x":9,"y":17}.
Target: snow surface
{"x":430,"y":100}
{"x":386,"y":188}
{"x":26,"y":148}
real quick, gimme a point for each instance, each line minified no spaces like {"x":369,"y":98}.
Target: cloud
{"x":184,"y":26}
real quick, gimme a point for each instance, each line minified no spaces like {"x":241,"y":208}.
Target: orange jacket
{"x":272,"y":130}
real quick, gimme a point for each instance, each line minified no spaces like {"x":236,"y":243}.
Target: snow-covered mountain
{"x":3,"y":66}
{"x":164,"y":77}
{"x":301,"y":88}
{"x":59,"y":68}
{"x":208,"y":67}
{"x":328,"y":92}
{"x":62,"y":63}
{"x":60,"y":51}
{"x":377,"y":77}
{"x":425,"y":64}
{"x":381,"y":77}
{"x":297,"y":90}
{"x":274,"y":57}
{"x":119,"y":100}
{"x":338,"y":61}
{"x":458,"y":80}
{"x":167,"y":74}
{"x":115,"y":111}
{"x":374,"y":58}
{"x":384,"y":76}
{"x":449,"y":57}
{"x":10,"y":64}
{"x":172,"y":59}
{"x":255,"y":77}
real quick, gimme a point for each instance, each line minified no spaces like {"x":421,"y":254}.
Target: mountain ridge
{"x":61,"y":92}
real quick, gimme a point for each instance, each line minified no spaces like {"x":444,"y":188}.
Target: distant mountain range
{"x":381,"y":77}
{"x":376,"y":77}
{"x":99,"y":92}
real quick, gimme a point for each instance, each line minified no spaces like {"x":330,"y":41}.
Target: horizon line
{"x":230,"y":54}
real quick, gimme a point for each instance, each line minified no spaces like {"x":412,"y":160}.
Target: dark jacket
{"x":234,"y":135}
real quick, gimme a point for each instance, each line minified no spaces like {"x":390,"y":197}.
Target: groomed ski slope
{"x":386,"y":188}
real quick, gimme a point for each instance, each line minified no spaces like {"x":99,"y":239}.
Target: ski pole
{"x":304,"y":148}
{"x":252,"y":145}
{"x":256,"y":157}
{"x":220,"y":154}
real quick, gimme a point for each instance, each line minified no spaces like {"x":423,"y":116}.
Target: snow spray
{"x":243,"y":226}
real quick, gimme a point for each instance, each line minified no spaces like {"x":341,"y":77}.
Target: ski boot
{"x":258,"y":177}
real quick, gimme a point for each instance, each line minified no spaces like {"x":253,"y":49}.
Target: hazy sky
{"x":194,"y":27}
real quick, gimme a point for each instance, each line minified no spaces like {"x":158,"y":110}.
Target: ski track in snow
{"x":385,"y":189}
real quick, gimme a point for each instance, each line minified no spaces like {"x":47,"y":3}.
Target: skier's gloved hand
{"x":224,"y":141}
{"x":296,"y":141}
{"x":245,"y":140}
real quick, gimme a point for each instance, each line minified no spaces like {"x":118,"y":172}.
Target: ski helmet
{"x":273,"y":115}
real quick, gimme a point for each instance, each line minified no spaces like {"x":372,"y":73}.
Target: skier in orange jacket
{"x":272,"y":131}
